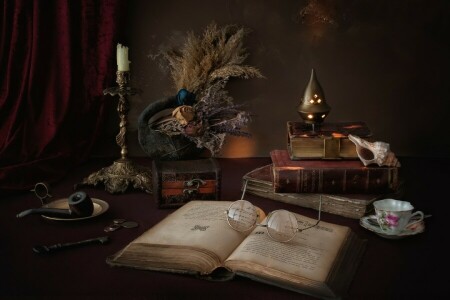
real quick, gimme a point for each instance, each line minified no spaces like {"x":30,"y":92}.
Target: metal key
{"x":41,"y":249}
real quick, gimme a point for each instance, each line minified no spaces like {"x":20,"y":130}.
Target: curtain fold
{"x":56,"y":57}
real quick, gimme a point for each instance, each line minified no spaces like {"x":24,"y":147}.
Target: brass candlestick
{"x":123,"y":171}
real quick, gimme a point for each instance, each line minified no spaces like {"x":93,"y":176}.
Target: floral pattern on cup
{"x":387,"y":220}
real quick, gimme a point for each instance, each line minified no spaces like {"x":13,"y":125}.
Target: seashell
{"x":374,"y":153}
{"x":184,"y":114}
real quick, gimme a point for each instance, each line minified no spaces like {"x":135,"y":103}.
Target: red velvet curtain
{"x":56,"y":57}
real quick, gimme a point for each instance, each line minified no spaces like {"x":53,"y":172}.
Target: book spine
{"x":335,"y":180}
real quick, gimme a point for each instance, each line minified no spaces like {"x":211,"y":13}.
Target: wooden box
{"x":178,"y":182}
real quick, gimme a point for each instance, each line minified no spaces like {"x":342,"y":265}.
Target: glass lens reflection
{"x":282,"y":225}
{"x":242,"y":215}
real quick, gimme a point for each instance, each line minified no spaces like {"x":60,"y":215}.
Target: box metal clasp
{"x":191,"y":186}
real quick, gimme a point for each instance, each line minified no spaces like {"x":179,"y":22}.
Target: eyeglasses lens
{"x":242,"y":215}
{"x":282,"y":225}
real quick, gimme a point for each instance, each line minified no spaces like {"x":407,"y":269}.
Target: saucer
{"x":100,"y":207}
{"x":371,"y":223}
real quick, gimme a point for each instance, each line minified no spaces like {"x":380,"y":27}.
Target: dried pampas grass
{"x":218,"y":54}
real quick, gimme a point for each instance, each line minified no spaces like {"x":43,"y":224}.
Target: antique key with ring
{"x":41,"y":191}
{"x":192,"y":186}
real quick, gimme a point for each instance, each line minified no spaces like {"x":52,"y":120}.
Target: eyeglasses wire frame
{"x":271,"y":215}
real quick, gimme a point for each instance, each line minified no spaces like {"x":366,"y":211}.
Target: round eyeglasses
{"x":281,"y":224}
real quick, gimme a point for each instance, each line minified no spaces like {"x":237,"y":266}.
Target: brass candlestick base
{"x":123,"y":171}
{"x":119,"y":175}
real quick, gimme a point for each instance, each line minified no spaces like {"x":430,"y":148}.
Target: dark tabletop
{"x":411,"y":268}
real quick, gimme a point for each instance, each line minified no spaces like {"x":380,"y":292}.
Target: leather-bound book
{"x":330,"y":176}
{"x":259,"y":182}
{"x":326,"y":141}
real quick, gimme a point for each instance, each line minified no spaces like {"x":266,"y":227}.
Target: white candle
{"x":123,"y":64}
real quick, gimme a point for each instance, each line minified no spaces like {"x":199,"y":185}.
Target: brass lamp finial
{"x":313,"y":108}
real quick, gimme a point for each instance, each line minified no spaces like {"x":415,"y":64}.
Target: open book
{"x":197,"y":239}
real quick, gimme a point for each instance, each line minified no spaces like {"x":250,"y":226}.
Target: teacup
{"x":394,"y":216}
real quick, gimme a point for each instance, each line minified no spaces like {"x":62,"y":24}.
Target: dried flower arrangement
{"x":203,"y":66}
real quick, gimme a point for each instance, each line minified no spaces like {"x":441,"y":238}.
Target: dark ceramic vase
{"x":160,"y":146}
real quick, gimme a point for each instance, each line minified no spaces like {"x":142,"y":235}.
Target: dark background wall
{"x":380,"y":61}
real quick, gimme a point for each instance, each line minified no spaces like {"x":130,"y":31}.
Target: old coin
{"x":112,"y":227}
{"x":129,"y":224}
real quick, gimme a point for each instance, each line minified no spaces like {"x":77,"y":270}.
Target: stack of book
{"x":324,"y":164}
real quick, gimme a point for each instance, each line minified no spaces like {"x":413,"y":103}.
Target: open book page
{"x":309,"y":257}
{"x":195,"y":237}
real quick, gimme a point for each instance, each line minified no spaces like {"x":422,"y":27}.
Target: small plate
{"x":100,"y":207}
{"x":371,"y":223}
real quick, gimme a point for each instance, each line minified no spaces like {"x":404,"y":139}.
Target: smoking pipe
{"x":80,"y":205}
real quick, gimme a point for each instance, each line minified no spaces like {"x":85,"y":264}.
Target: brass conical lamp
{"x":313,"y":107}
